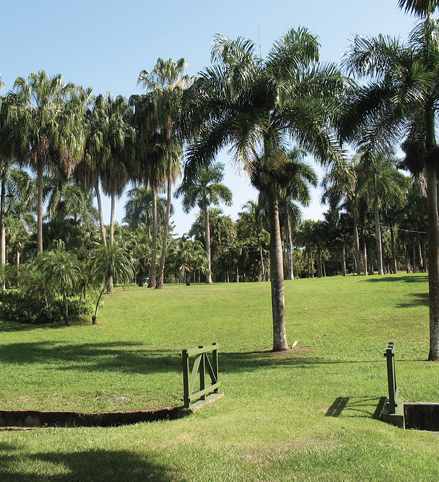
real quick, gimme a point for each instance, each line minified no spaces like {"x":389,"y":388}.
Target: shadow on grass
{"x":357,"y":406}
{"x":244,"y":362}
{"x":420,"y":299}
{"x":417,"y":278}
{"x":18,"y":326}
{"x":89,"y":465}
{"x":126,"y":357}
{"x":137,"y":358}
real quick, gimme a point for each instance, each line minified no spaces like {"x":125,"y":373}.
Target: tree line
{"x":269,"y":112}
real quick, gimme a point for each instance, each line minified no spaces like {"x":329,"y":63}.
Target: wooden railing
{"x":391,"y":378}
{"x":204,"y":367}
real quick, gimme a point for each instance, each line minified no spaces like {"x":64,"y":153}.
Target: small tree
{"x":190,"y":255}
{"x":61,"y":272}
{"x":109,"y":261}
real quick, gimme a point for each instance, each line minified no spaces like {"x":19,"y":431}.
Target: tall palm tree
{"x":204,"y":188}
{"x":116,"y":148}
{"x":383,"y":185}
{"x":166,"y":83}
{"x":151,"y":150}
{"x":152,"y":156}
{"x":402,"y":97}
{"x":52,"y":131}
{"x":341,"y":191}
{"x":255,"y":105}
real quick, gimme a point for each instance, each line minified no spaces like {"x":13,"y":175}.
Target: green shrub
{"x":15,"y":306}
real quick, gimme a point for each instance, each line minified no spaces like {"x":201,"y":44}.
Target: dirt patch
{"x":264,"y":455}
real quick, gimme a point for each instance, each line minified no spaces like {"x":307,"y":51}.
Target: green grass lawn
{"x":305,"y":415}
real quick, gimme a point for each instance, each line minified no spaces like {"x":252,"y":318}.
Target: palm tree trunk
{"x":40,"y":205}
{"x":66,"y":304}
{"x":152,"y":273}
{"x":101,"y":214}
{"x":95,"y":317}
{"x":378,"y":239}
{"x":289,"y":243}
{"x":113,"y":203}
{"x":392,"y":238}
{"x":207,"y":242}
{"x":110,"y":286}
{"x":160,"y":280}
{"x":319,"y":262}
{"x":414,"y":255}
{"x":357,"y":244}
{"x":277,"y":279}
{"x":433,"y":256}
{"x":2,"y":233}
{"x":365,"y":260}
{"x":424,"y":263}
{"x":343,"y":261}
{"x":18,"y":268}
{"x":433,"y":234}
{"x":261,"y":254}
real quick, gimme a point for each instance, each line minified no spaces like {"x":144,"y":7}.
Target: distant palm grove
{"x":370,"y":122}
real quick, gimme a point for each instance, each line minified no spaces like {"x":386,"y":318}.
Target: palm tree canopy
{"x":204,"y":188}
{"x":418,"y":7}
{"x":51,"y":119}
{"x":139,"y":206}
{"x":243,"y":100}
{"x":110,"y":261}
{"x":403,"y":86}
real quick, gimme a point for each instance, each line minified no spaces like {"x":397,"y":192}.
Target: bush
{"x":16,"y":307}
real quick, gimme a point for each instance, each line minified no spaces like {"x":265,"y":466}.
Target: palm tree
{"x":252,"y":224}
{"x":68,"y":200}
{"x":341,"y":191}
{"x":382,"y":185}
{"x":61,"y":271}
{"x":52,"y":130}
{"x":12,"y":181}
{"x":109,"y":262}
{"x":254,"y":105}
{"x":116,"y":147}
{"x":189,"y":256}
{"x":296,"y":189}
{"x":140,"y":206}
{"x":204,"y":188}
{"x":166,"y":83}
{"x":152,"y":163}
{"x":401,"y":98}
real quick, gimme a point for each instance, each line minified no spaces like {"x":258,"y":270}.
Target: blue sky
{"x":105,"y":44}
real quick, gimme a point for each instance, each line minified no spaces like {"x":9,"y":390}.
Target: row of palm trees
{"x":255,"y":106}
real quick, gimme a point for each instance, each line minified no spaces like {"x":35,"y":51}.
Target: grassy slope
{"x":275,"y":422}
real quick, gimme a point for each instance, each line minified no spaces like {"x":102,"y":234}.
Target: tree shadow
{"x":85,"y":466}
{"x":418,"y":299}
{"x":422,"y":278}
{"x":357,"y":407}
{"x":126,"y":357}
{"x":19,"y":326}
{"x":137,"y":358}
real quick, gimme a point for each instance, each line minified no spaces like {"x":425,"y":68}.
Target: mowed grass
{"x":309,"y":414}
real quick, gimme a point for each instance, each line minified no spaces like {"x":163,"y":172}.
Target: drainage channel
{"x":421,"y":416}
{"x":27,"y":419}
